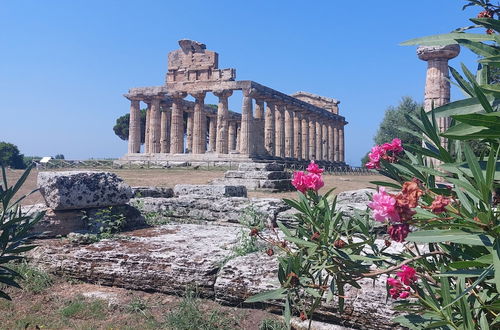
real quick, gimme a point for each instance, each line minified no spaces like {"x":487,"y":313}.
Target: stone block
{"x":202,"y":191}
{"x":356,"y":196}
{"x":276,"y":185}
{"x":260,"y":175}
{"x":74,"y":190}
{"x":157,"y":192}
{"x":261,"y":167}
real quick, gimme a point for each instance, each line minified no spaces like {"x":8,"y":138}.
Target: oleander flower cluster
{"x":312,"y":180}
{"x":400,"y":285}
{"x":386,"y":151}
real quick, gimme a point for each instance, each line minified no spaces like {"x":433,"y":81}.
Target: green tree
{"x":122,"y":123}
{"x":10,"y":156}
{"x":59,"y":156}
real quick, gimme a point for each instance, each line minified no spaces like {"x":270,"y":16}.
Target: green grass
{"x":272,"y":324}
{"x":80,"y":308}
{"x":33,"y":279}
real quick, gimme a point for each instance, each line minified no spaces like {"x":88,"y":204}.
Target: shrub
{"x":10,"y":156}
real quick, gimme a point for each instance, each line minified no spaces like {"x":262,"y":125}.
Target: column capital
{"x":177,"y":95}
{"x":132,"y":97}
{"x":198,"y":95}
{"x":426,"y":53}
{"x":250,"y":92}
{"x":224,"y":93}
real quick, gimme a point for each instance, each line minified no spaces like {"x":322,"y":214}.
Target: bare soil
{"x":171,"y":177}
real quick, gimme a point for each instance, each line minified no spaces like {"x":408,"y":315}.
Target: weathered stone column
{"x":155,"y":126}
{"x":288,"y":132}
{"x":312,"y":137}
{"x":189,"y":132}
{"x":297,"y":137}
{"x":238,"y":137}
{"x":165,"y":130}
{"x":319,"y":139}
{"x":134,"y":131}
{"x":232,"y":136}
{"x":305,"y":136}
{"x":336,"y":149}
{"x":437,"y":85}
{"x":341,"y":144}
{"x":147,"y":128}
{"x":331,"y":142}
{"x":269,"y":130}
{"x":324,"y":134}
{"x":199,"y":124}
{"x":177,"y":124}
{"x":258,"y":129}
{"x":212,"y":133}
{"x":280,"y":131}
{"x":222,"y":121}
{"x":246,"y":137}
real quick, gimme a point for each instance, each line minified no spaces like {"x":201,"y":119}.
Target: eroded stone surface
{"x":73,"y":190}
{"x":157,"y":192}
{"x":218,"y":190}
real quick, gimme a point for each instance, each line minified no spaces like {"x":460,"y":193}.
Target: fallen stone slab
{"x":74,"y":190}
{"x":206,"y":190}
{"x":157,"y":192}
{"x":166,"y":259}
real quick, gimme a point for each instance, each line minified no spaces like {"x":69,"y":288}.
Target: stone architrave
{"x":280,"y":131}
{"x":232,"y":136}
{"x":247,"y":124}
{"x":305,"y":137}
{"x":312,"y":138}
{"x":437,"y":84}
{"x":212,"y":133}
{"x":148,"y":128}
{"x":155,"y":126}
{"x":165,"y":131}
{"x":189,"y":132}
{"x":199,"y":124}
{"x":269,"y":130}
{"x":177,"y":123}
{"x":336,"y":148}
{"x":288,"y":133}
{"x":297,"y":137}
{"x":331,"y":142}
{"x":319,"y":140}
{"x":324,"y":142}
{"x":134,"y":132}
{"x":222,"y":144}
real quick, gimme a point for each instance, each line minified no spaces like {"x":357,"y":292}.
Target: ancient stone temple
{"x":272,"y":125}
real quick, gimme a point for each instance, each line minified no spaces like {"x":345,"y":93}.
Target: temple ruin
{"x":272,"y":125}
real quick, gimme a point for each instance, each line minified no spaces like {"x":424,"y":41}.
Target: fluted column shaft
{"x":238,"y":137}
{"x":305,"y":137}
{"x":280,"y":131}
{"x":336,"y":149}
{"x":297,"y":137}
{"x":324,"y":134}
{"x":341,"y":144}
{"x":319,"y":140}
{"x":189,"y":132}
{"x":246,"y":142}
{"x":312,"y":138}
{"x":269,"y":134}
{"x":165,"y":131}
{"x":134,"y":130}
{"x":147,"y":130}
{"x":222,"y":121}
{"x":199,"y":124}
{"x":177,"y":127}
{"x":288,"y":133}
{"x":231,"y":143}
{"x":212,"y":133}
{"x":331,"y":142}
{"x":155,"y":126}
{"x":258,"y":130}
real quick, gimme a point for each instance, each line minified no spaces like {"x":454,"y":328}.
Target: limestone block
{"x":261,"y":167}
{"x":276,"y":185}
{"x":356,"y":196}
{"x":158,"y":192}
{"x":82,"y":189}
{"x":210,"y":190}
{"x":262,"y":175}
{"x":249,"y":184}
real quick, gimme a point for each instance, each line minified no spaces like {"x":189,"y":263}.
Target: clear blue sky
{"x":65,"y":64}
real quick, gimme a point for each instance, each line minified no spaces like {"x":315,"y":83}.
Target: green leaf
{"x":461,"y":107}
{"x":491,"y":120}
{"x":489,"y":23}
{"x":492,"y":88}
{"x":386,"y":184}
{"x":284,"y":229}
{"x":450,"y":235}
{"x":490,"y":59}
{"x":466,"y":87}
{"x":496,"y":262}
{"x":446,"y":39}
{"x":478,"y":47}
{"x":301,"y":242}
{"x":267,"y":295}
{"x":482,"y":99}
{"x":463,"y":273}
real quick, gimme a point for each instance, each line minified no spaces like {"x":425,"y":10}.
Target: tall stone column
{"x":297,"y":137}
{"x":258,"y":130}
{"x":199,"y":124}
{"x":305,"y":136}
{"x":212,"y":133}
{"x":238,"y":137}
{"x":189,"y":132}
{"x":134,"y":131}
{"x":341,"y":144}
{"x":319,"y":139}
{"x":312,"y":137}
{"x":437,"y":85}
{"x":324,"y":134}
{"x":177,"y":125}
{"x":147,"y":130}
{"x":336,"y":149}
{"x":269,"y":130}
{"x":165,"y":131}
{"x":288,"y":132}
{"x":155,"y":126}
{"x":231,"y":143}
{"x":222,"y":121}
{"x":331,"y":142}
{"x":280,"y":131}
{"x":246,"y":137}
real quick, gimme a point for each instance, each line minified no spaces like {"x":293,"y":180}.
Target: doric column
{"x":231,"y":143}
{"x":177,"y":124}
{"x":305,"y":136}
{"x":331,"y":142}
{"x":336,"y":148}
{"x":312,"y":137}
{"x":280,"y":131}
{"x":134,"y":127}
{"x":297,"y":136}
{"x":341,"y":143}
{"x":212,"y":133}
{"x":324,"y":134}
{"x":147,"y":130}
{"x":189,"y":132}
{"x":437,"y":85}
{"x":222,"y":121}
{"x":155,"y":126}
{"x":199,"y":124}
{"x":319,"y":139}
{"x":165,"y":130}
{"x":238,"y":137}
{"x":246,"y":136}
{"x":258,"y":130}
{"x":269,"y":134}
{"x":288,"y":132}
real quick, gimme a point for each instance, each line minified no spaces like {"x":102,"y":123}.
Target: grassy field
{"x":171,"y":177}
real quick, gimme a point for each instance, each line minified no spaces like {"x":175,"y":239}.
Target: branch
{"x":407,"y":261}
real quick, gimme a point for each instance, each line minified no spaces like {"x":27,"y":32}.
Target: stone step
{"x":206,"y":190}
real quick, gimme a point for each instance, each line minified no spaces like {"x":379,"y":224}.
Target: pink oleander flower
{"x":383,"y":206}
{"x":439,"y":203}
{"x":398,"y":232}
{"x":314,"y":168}
{"x":375,"y":155}
{"x":314,"y":181}
{"x":298,"y":181}
{"x":397,"y":145}
{"x":407,"y":274}
{"x":397,"y":289}
{"x":382,"y":152}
